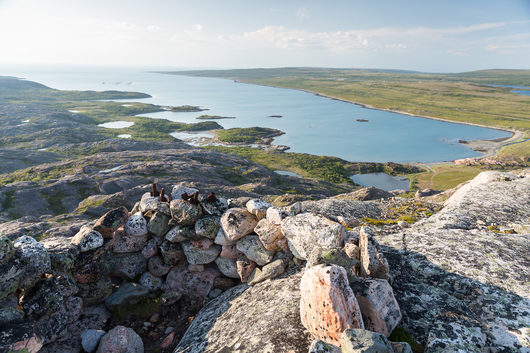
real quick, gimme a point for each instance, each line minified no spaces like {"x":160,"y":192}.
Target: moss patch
{"x":400,"y":335}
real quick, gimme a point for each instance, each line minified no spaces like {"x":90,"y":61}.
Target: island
{"x":214,"y":117}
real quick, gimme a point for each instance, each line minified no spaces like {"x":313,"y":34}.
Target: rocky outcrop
{"x":462,"y":283}
{"x":270,"y":313}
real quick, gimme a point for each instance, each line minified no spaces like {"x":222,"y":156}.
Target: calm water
{"x":313,"y":124}
{"x":525,"y":91}
{"x":381,"y":181}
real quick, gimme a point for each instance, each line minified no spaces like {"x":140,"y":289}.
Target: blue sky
{"x":435,"y":36}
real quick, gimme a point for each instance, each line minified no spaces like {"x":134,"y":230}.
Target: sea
{"x":312,"y":124}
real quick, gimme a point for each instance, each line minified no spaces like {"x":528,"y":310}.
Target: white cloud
{"x":302,"y":13}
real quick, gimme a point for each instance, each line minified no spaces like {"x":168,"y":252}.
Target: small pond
{"x":381,"y":181}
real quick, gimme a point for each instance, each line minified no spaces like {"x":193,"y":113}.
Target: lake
{"x":381,"y":181}
{"x":312,"y":124}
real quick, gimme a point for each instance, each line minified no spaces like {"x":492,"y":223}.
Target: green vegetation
{"x":445,"y":177}
{"x":400,"y":335}
{"x":462,"y":97}
{"x":246,"y":135}
{"x":214,"y":117}
{"x":37,"y":174}
{"x":55,"y":202}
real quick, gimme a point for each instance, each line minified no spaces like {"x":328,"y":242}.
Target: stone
{"x":269,"y":271}
{"x":150,"y":249}
{"x":195,"y":268}
{"x":307,"y":231}
{"x":32,"y":259}
{"x":208,"y":227}
{"x":74,"y":308}
{"x":9,"y":311}
{"x":227,"y":267}
{"x":168,"y":341}
{"x":157,"y":267}
{"x":333,"y":257}
{"x":90,"y":339}
{"x":200,"y":256}
{"x":214,"y":208}
{"x":373,"y":263}
{"x":66,"y":284}
{"x":221,"y":238}
{"x":193,"y":284}
{"x":223,"y":283}
{"x":230,"y":252}
{"x":274,"y":215}
{"x":150,"y":281}
{"x":254,"y":250}
{"x":87,"y":239}
{"x":52,"y":327}
{"x":401,"y":347}
{"x":20,"y":338}
{"x":136,"y":225}
{"x":245,"y":267}
{"x":92,"y":265}
{"x":379,"y":307}
{"x":269,"y":311}
{"x":179,"y":190}
{"x":328,"y":305}
{"x":96,"y":292}
{"x":127,"y":294}
{"x":238,"y":222}
{"x":185,"y":213}
{"x":348,"y":222}
{"x":202,"y":244}
{"x":158,"y":225}
{"x":258,"y":207}
{"x":125,"y":243}
{"x":129,"y":266}
{"x":43,"y":298}
{"x":107,"y":224}
{"x":172,"y":253}
{"x":319,"y":346}
{"x":121,"y":340}
{"x":150,"y":203}
{"x":6,"y":249}
{"x":10,"y":275}
{"x":364,"y":341}
{"x":352,"y":251}
{"x":403,"y":224}
{"x":178,"y":234}
{"x":333,"y":208}
{"x":214,"y":293}
{"x":269,"y":234}
{"x":366,"y":194}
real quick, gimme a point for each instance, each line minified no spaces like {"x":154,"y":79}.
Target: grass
{"x":246,"y":135}
{"x":445,"y":177}
{"x":400,"y":335}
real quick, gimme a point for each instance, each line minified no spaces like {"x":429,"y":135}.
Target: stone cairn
{"x":188,"y":244}
{"x":168,"y":246}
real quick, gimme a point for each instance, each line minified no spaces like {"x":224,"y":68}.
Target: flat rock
{"x":221,"y":238}
{"x":373,"y":262}
{"x":227,"y":267}
{"x":125,"y":243}
{"x":258,"y":207}
{"x":195,"y":284}
{"x":319,"y":346}
{"x":273,"y":324}
{"x":208,"y":227}
{"x":307,"y":231}
{"x":332,"y":208}
{"x":328,"y":305}
{"x":151,"y":282}
{"x":158,"y":225}
{"x":128,"y":294}
{"x":129,"y":265}
{"x":269,"y":233}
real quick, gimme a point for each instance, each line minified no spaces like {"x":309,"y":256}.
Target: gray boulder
{"x":90,"y":339}
{"x":87,"y":239}
{"x":128,"y":294}
{"x":136,"y":225}
{"x":32,"y":258}
{"x":121,"y":340}
{"x":238,"y":222}
{"x":273,"y":324}
{"x":208,"y":227}
{"x":254,"y":250}
{"x":307,"y":231}
{"x":364,"y":341}
{"x":197,"y":256}
{"x":6,"y":249}
{"x":185,"y":213}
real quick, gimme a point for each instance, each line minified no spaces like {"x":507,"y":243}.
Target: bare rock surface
{"x":459,"y":284}
{"x":270,"y":311}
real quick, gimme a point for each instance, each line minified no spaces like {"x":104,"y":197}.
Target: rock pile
{"x":167,"y":247}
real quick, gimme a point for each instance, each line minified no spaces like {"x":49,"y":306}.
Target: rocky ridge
{"x":455,"y":281}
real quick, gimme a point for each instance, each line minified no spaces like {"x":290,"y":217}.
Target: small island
{"x":246,"y":136}
{"x":183,"y":108}
{"x":362,"y":120}
{"x":275,"y":116}
{"x":214,"y":117}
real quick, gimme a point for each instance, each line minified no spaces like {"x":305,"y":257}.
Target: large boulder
{"x":111,"y":221}
{"x":333,"y":208}
{"x":32,"y":259}
{"x":254,"y":250}
{"x":364,"y":341}
{"x":328,"y":305}
{"x":262,"y":318}
{"x":307,"y":231}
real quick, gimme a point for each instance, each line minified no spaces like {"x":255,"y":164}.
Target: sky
{"x":422,"y":35}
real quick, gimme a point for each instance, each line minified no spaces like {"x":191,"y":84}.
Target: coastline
{"x":491,"y":147}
